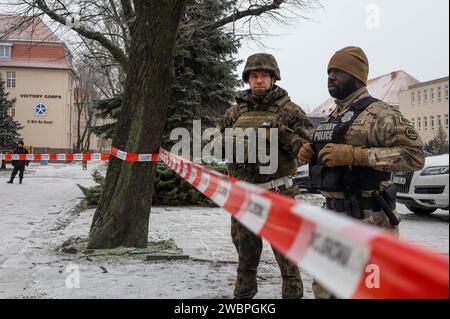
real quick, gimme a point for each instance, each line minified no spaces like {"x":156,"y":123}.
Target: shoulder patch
{"x":402,"y":120}
{"x":411,"y":133}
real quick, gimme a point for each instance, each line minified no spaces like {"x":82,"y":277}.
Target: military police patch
{"x":411,"y":133}
{"x":347,"y":116}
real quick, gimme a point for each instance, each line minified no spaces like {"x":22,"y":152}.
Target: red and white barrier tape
{"x":127,"y":157}
{"x":351,"y":259}
{"x":132,"y":157}
{"x":55,"y":157}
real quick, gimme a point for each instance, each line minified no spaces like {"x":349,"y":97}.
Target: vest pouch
{"x":325,"y":178}
{"x":331,"y":178}
{"x":315,"y":172}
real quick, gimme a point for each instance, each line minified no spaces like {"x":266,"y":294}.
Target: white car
{"x":302,"y":179}
{"x":426,"y":190}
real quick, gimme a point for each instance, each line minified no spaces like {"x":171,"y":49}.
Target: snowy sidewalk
{"x":40,"y":215}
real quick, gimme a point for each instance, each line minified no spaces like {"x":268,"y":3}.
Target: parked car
{"x":425,"y":191}
{"x":302,"y":179}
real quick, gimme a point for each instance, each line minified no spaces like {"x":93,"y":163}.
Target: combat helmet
{"x":261,"y":61}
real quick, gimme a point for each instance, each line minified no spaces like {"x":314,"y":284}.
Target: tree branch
{"x":242,"y":14}
{"x":128,"y":11}
{"x":115,"y":51}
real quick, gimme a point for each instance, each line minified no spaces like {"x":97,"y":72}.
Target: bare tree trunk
{"x":79,"y":108}
{"x":122,"y":217}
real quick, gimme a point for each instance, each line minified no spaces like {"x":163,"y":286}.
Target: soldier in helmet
{"x":355,"y":150}
{"x":264,"y":103}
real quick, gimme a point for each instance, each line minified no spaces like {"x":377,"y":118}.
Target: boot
{"x":10,"y":181}
{"x":20,"y":181}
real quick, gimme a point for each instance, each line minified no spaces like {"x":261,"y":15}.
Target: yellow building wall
{"x":419,"y":106}
{"x":53,"y":88}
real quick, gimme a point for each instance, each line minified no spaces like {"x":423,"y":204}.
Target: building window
{"x":419,"y":123}
{"x":446,"y":120}
{"x":425,"y":96}
{"x":10,"y":79}
{"x":12,"y":112}
{"x":413,"y":98}
{"x":439,"y":121}
{"x":432,"y":122}
{"x":425,"y":123}
{"x":432,"y":95}
{"x":413,"y":122}
{"x":446,"y":92}
{"x":419,"y":97}
{"x":439,"y":94}
{"x":5,"y":52}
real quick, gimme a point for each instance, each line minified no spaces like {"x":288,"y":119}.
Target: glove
{"x":343,"y":154}
{"x":305,"y":154}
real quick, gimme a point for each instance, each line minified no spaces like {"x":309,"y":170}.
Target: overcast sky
{"x":410,"y":35}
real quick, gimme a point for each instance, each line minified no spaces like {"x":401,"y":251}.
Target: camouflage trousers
{"x":249,"y":249}
{"x":376,"y":218}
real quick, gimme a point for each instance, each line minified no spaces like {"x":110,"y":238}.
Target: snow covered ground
{"x":37,"y":217}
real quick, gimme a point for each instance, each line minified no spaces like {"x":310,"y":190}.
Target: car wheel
{"x":421,"y":210}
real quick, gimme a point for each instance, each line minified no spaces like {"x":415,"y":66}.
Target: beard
{"x":341,"y":92}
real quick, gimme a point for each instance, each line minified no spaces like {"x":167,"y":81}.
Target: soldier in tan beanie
{"x":352,"y":60}
{"x":355,"y":150}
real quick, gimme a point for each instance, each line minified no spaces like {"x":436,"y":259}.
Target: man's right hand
{"x":305,"y":154}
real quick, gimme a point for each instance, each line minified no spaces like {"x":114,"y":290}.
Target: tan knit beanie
{"x":352,"y":60}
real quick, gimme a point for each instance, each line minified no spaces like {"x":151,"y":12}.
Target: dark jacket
{"x":20,"y":150}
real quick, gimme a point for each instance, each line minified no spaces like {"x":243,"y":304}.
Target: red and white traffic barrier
{"x":351,"y":259}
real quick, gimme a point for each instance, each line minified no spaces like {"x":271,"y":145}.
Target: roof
{"x":34,"y":45}
{"x":26,"y":28}
{"x":386,"y":87}
{"x":38,"y":56}
{"x":429,"y":82}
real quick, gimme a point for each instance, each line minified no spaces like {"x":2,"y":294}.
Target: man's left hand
{"x":343,"y":154}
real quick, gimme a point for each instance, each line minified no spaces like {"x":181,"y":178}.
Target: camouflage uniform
{"x":392,"y":144}
{"x":295,"y":130}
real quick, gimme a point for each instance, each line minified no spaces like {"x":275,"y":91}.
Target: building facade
{"x":426,"y":105}
{"x":37,"y":70}
{"x":386,"y":87}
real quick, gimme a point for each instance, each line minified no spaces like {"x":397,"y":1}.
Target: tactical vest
{"x":347,"y":179}
{"x":268,"y":118}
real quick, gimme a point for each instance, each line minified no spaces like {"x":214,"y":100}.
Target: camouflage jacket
{"x":295,"y":129}
{"x":392,"y":142}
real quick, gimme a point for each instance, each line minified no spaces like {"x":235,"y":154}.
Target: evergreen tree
{"x":439,"y":145}
{"x":8,"y":127}
{"x":204,"y":69}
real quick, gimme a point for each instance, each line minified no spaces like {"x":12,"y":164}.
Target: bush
{"x":93,"y":194}
{"x":171,"y":189}
{"x":439,"y":144}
